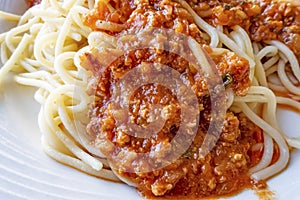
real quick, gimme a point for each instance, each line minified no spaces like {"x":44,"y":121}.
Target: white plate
{"x":26,"y":172}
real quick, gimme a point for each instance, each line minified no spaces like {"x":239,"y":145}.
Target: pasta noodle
{"x":44,"y":50}
{"x":44,"y":44}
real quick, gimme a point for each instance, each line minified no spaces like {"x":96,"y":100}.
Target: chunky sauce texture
{"x":262,"y":19}
{"x":225,"y":169}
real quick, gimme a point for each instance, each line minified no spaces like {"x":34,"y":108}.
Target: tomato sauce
{"x":225,"y":169}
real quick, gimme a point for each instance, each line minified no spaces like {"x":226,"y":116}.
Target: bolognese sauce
{"x":33,"y":2}
{"x":225,"y":169}
{"x":263,"y":20}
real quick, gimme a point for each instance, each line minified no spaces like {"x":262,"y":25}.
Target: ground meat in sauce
{"x":262,"y":19}
{"x":224,"y":171}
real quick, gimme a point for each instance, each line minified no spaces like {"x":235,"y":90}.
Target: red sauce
{"x":263,"y":20}
{"x":225,"y":169}
{"x":289,"y":108}
{"x":33,"y":2}
{"x":120,"y":15}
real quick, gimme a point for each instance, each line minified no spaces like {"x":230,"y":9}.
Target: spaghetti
{"x":47,"y":48}
{"x":41,"y":49}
